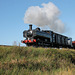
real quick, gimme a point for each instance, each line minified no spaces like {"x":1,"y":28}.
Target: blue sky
{"x":12,"y":14}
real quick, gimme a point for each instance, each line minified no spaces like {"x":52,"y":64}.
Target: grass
{"x":36,"y":61}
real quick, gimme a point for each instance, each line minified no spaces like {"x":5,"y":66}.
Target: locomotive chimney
{"x":30,"y":27}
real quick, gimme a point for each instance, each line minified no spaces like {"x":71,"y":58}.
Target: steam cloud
{"x":45,"y":16}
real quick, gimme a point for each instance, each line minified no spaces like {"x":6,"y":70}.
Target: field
{"x":16,"y":60}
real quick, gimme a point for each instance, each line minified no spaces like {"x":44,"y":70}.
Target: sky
{"x":12,"y":18}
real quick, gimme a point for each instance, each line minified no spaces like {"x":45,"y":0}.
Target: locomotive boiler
{"x":45,"y":38}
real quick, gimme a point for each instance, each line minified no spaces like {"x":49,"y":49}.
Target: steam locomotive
{"x":46,"y":38}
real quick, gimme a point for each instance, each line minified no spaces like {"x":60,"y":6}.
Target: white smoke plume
{"x":45,"y":16}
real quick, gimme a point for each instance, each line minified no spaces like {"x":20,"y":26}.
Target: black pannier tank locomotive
{"x":45,"y":38}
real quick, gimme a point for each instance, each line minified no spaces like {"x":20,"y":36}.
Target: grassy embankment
{"x":36,"y":61}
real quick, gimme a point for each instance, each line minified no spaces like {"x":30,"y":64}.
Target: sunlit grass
{"x":36,"y":61}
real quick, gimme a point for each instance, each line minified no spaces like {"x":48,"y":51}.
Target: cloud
{"x":45,"y":16}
